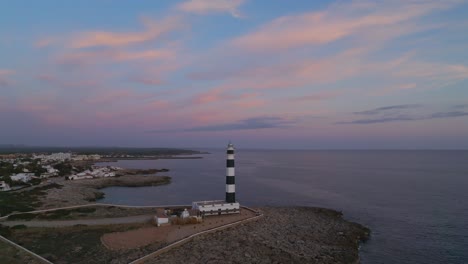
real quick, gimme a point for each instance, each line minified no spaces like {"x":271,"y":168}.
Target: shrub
{"x":19,"y":227}
{"x":24,"y":216}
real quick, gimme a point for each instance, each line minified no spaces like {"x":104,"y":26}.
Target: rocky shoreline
{"x":283,"y":235}
{"x":85,"y":191}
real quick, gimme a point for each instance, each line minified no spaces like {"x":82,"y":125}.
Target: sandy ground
{"x":167,"y":234}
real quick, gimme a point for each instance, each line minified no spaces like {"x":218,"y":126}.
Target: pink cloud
{"x":155,"y":75}
{"x":60,"y":82}
{"x":337,"y":22}
{"x":210,"y":96}
{"x":147,"y":80}
{"x":45,"y":42}
{"x":153,"y":30}
{"x":4,"y":77}
{"x":106,"y":56}
{"x":211,"y":6}
{"x":318,"y":96}
{"x":393,"y":89}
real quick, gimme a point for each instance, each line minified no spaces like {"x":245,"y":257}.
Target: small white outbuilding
{"x":161,"y":217}
{"x":4,"y":186}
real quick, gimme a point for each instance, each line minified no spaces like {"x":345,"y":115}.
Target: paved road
{"x":101,"y":221}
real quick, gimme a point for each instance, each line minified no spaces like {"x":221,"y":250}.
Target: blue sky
{"x":197,"y":73}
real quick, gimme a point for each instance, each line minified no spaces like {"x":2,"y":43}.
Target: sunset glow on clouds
{"x":196,"y":73}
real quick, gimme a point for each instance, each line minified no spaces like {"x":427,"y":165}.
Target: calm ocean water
{"x":415,"y":202}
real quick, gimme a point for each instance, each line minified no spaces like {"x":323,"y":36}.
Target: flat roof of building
{"x":215,"y":202}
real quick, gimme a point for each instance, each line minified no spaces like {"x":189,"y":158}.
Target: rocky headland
{"x":283,"y":235}
{"x":84,"y":191}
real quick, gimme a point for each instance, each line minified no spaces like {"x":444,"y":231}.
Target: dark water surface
{"x":415,"y":202}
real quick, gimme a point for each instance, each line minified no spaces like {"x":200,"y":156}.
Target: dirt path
{"x":102,"y":221}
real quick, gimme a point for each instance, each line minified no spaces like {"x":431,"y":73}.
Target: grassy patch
{"x":78,"y":244}
{"x":12,"y":255}
{"x":97,"y":196}
{"x":23,"y":201}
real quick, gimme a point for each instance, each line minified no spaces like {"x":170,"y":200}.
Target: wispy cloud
{"x":211,"y":6}
{"x":107,"y":56}
{"x":460,"y":106}
{"x":379,"y":110}
{"x":337,"y":22}
{"x":152,"y":31}
{"x":392,"y":114}
{"x":318,"y":96}
{"x":245,"y":124}
{"x":45,"y":42}
{"x":448,"y":114}
{"x":363,"y":27}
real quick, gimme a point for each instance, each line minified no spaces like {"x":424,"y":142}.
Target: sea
{"x":415,"y":202}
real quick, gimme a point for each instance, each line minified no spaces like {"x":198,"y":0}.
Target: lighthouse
{"x":230,"y":175}
{"x":228,"y":205}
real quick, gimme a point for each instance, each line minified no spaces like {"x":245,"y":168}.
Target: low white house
{"x":217,"y":207}
{"x":184,"y":214}
{"x":24,"y":177}
{"x":79,"y":177}
{"x":161,"y":217}
{"x":4,"y":186}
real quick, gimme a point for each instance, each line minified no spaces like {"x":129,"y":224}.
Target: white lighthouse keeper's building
{"x":229,"y":205}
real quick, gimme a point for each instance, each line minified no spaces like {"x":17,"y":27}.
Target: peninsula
{"x":59,"y":221}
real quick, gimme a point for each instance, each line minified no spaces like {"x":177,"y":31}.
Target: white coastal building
{"x":24,"y":177}
{"x":55,"y":157}
{"x":86,"y":157}
{"x":218,"y":207}
{"x":161,"y":217}
{"x":79,"y":177}
{"x":4,"y":186}
{"x":229,"y":205}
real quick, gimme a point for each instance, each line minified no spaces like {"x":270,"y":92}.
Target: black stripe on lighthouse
{"x":230,"y":175}
{"x":230,"y":180}
{"x":230,"y":197}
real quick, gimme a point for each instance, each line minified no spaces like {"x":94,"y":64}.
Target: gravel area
{"x":283,"y":235}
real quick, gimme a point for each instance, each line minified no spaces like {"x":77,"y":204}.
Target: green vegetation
{"x":5,"y":231}
{"x":11,"y":255}
{"x":7,"y":169}
{"x":64,"y":168}
{"x":23,"y":201}
{"x":97,"y":196}
{"x":77,"y":244}
{"x":18,"y":227}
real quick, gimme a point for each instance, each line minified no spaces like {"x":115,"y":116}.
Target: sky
{"x":297,"y":74}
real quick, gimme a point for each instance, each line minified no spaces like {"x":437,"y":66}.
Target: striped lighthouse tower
{"x":230,"y":176}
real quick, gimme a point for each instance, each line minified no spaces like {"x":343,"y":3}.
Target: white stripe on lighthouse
{"x":230,"y":188}
{"x":230,"y":171}
{"x":230,"y":156}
